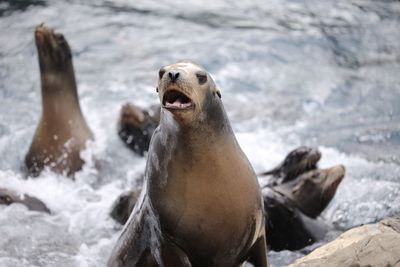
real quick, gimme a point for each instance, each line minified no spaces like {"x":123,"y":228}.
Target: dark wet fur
{"x":297,"y":162}
{"x":54,"y":51}
{"x":134,"y":132}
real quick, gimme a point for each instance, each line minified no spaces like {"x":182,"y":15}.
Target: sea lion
{"x":292,"y":208}
{"x":312,"y":191}
{"x":201,"y":203}
{"x":298,"y":161}
{"x":135,"y":128}
{"x":32,"y":203}
{"x":62,"y":131}
{"x":292,"y":204}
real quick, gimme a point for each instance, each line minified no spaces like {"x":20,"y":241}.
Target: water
{"x":291,"y":73}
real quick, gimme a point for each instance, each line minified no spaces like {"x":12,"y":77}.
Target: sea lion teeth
{"x":174,"y":99}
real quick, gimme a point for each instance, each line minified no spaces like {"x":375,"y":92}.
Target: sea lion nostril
{"x":173,"y":75}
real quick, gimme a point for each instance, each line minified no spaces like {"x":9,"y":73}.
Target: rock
{"x":374,"y":245}
{"x":8,"y":197}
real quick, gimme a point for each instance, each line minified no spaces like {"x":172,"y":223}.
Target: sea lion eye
{"x":201,"y":77}
{"x":161,"y":73}
{"x":59,"y":37}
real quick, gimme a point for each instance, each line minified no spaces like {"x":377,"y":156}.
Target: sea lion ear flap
{"x":157,"y":89}
{"x":217,"y":92}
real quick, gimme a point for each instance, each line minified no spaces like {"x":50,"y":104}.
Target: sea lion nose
{"x":173,"y":75}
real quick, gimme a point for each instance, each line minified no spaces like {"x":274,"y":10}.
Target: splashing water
{"x":291,"y":73}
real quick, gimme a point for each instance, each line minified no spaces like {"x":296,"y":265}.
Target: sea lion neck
{"x":56,"y":71}
{"x":211,"y":123}
{"x":59,"y":91}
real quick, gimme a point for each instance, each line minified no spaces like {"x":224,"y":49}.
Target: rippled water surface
{"x":322,"y":73}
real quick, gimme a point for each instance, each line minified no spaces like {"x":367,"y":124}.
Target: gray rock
{"x":374,"y":245}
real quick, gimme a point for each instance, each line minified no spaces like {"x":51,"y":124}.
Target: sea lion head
{"x":298,"y":161}
{"x":312,"y":191}
{"x":54,"y":51}
{"x":131,"y":115}
{"x":329,"y":179}
{"x":185,"y":89}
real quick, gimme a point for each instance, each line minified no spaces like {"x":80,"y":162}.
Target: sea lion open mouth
{"x":176,"y":100}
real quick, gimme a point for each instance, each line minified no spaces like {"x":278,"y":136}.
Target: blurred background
{"x":319,"y":73}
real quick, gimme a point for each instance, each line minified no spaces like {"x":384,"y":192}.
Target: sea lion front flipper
{"x":258,"y":252}
{"x":147,"y":260}
{"x":171,"y":256}
{"x":174,"y":256}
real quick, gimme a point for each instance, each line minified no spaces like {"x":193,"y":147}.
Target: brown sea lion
{"x":136,"y":127}
{"x":298,"y":161}
{"x":32,"y":203}
{"x":201,"y":203}
{"x":62,"y":131}
{"x":312,"y":191}
{"x":299,"y":192}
